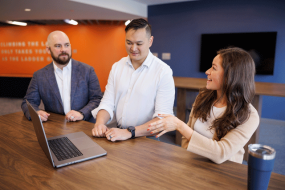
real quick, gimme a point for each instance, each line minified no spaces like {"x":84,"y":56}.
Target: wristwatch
{"x":132,"y":129}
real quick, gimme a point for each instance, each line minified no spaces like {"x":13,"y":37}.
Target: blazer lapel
{"x":52,"y":81}
{"x":75,"y":76}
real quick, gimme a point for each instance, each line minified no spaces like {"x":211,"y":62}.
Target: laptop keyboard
{"x":63,"y":148}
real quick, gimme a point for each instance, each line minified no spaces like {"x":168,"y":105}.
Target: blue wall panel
{"x":177,"y":29}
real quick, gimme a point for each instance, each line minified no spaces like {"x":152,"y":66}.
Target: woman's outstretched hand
{"x":164,"y":125}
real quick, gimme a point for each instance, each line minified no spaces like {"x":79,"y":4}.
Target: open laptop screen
{"x":38,"y":126}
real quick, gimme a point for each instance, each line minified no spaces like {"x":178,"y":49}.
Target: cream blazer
{"x":230,"y":147}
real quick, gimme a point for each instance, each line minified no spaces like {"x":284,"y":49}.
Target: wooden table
{"x":185,"y":84}
{"x":139,"y":163}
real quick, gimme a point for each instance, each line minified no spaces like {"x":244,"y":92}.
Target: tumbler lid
{"x":261,"y":151}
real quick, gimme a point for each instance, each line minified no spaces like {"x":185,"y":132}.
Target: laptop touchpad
{"x":83,"y":143}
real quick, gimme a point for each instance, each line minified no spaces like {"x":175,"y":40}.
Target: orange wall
{"x":99,"y":46}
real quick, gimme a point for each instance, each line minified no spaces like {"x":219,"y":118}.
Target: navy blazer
{"x":85,"y":91}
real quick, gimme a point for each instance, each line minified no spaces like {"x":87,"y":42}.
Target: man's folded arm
{"x":108,"y":101}
{"x":32,"y":96}
{"x":165,"y":94}
{"x":163,"y":103}
{"x":94,"y":94}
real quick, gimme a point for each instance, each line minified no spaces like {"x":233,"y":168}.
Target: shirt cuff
{"x":156,"y":114}
{"x":96,"y":110}
{"x":193,"y":139}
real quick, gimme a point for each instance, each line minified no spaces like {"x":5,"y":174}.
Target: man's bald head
{"x":59,"y":47}
{"x":53,"y":36}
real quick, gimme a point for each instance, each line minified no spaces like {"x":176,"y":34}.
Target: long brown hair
{"x":238,"y":87}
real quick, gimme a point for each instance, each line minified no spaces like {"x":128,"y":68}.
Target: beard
{"x":59,"y":60}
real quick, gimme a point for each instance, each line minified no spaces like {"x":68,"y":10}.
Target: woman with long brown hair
{"x":222,"y":119}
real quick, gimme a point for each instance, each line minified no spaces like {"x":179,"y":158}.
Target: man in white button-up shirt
{"x":65,"y":86}
{"x":139,"y":88}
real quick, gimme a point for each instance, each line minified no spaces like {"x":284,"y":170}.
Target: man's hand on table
{"x":99,"y":130}
{"x":116,"y":134}
{"x":73,"y":115}
{"x":44,"y":115}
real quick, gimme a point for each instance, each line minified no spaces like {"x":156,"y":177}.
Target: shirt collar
{"x":147,"y":62}
{"x":68,"y":66}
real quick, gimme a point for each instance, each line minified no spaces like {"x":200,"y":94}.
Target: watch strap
{"x":132,"y":129}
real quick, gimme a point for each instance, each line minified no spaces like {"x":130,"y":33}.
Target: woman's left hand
{"x":164,"y":125}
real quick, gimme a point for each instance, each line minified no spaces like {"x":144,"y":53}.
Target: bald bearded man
{"x":65,"y":86}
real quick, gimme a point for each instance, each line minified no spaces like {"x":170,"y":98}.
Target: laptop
{"x":65,"y":149}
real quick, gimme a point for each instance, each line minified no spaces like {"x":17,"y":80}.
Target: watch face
{"x":131,"y":128}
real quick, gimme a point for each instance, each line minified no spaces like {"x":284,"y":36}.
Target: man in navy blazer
{"x":65,"y":86}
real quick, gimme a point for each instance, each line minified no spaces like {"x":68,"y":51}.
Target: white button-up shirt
{"x":63,"y":79}
{"x":137,"y":96}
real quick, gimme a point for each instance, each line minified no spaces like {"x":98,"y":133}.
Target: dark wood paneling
{"x":14,"y":87}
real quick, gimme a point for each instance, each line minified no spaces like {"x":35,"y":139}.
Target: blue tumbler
{"x":260,"y":164}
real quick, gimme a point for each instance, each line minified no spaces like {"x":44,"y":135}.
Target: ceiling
{"x":86,"y":12}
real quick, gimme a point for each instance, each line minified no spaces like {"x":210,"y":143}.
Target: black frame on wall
{"x":14,"y":87}
{"x":260,"y":45}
